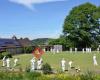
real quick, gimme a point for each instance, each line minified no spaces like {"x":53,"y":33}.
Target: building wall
{"x":14,"y":50}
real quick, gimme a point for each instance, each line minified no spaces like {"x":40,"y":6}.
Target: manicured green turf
{"x":82,"y":60}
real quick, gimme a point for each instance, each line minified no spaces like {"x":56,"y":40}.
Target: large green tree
{"x":81,"y":26}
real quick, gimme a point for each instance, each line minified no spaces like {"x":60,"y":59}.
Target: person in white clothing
{"x":63,"y":64}
{"x":57,"y":51}
{"x":83,"y":50}
{"x":75,"y":49}
{"x":32,"y":64}
{"x":15,"y":61}
{"x":94,"y":60}
{"x":39,"y":64}
{"x":71,"y":50}
{"x":70,"y":64}
{"x":8,"y":62}
{"x":4,"y":61}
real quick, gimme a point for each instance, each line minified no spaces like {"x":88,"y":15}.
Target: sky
{"x":35,"y":18}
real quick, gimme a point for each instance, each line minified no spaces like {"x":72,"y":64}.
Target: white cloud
{"x":29,"y":3}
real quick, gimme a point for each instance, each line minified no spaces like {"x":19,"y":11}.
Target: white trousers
{"x":63,"y":68}
{"x":4,"y":63}
{"x":95,"y":62}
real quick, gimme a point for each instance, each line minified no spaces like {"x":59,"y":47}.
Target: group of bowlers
{"x":6,"y":62}
{"x":63,"y":64}
{"x":37,"y":64}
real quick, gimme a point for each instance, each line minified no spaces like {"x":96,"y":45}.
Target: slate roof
{"x":9,"y":43}
{"x":25,"y":42}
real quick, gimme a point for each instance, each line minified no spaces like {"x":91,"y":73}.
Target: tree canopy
{"x":82,"y":26}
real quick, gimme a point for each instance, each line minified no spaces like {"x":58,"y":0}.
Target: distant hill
{"x":41,"y":41}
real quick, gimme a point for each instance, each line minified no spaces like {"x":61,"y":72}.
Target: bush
{"x":1,"y":56}
{"x":47,"y":69}
{"x":27,"y":49}
{"x":7,"y":54}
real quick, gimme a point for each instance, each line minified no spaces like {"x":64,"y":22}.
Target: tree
{"x":27,"y":49}
{"x":81,"y":27}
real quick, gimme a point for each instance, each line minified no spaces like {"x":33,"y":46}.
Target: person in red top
{"x":38,"y":53}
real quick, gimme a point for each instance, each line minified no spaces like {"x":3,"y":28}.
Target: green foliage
{"x":27,"y":69}
{"x":88,"y":76}
{"x":7,"y":54}
{"x":1,"y":56}
{"x":54,"y":41}
{"x":38,"y":76}
{"x":59,"y":41}
{"x":46,"y":68}
{"x":27,"y":49}
{"x":10,"y":76}
{"x":81,"y":26}
{"x":32,"y":75}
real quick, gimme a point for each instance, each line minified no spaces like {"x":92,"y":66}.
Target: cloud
{"x":30,"y":3}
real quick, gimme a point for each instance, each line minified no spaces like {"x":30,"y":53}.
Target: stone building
{"x":14,"y":45}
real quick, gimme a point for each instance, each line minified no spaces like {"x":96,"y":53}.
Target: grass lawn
{"x":82,"y":60}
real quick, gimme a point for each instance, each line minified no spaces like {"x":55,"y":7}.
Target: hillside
{"x":41,"y":41}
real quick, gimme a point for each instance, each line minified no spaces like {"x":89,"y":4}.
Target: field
{"x":82,"y":60}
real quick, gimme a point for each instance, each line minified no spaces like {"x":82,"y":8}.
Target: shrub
{"x":7,"y":54}
{"x":1,"y":56}
{"x":47,"y":69}
{"x":27,"y":49}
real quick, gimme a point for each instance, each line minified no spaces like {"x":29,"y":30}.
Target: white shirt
{"x":94,"y":57}
{"x":63,"y":63}
{"x":32,"y":60}
{"x":15,"y":60}
{"x":8,"y":60}
{"x":70,"y":62}
{"x":4,"y":58}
